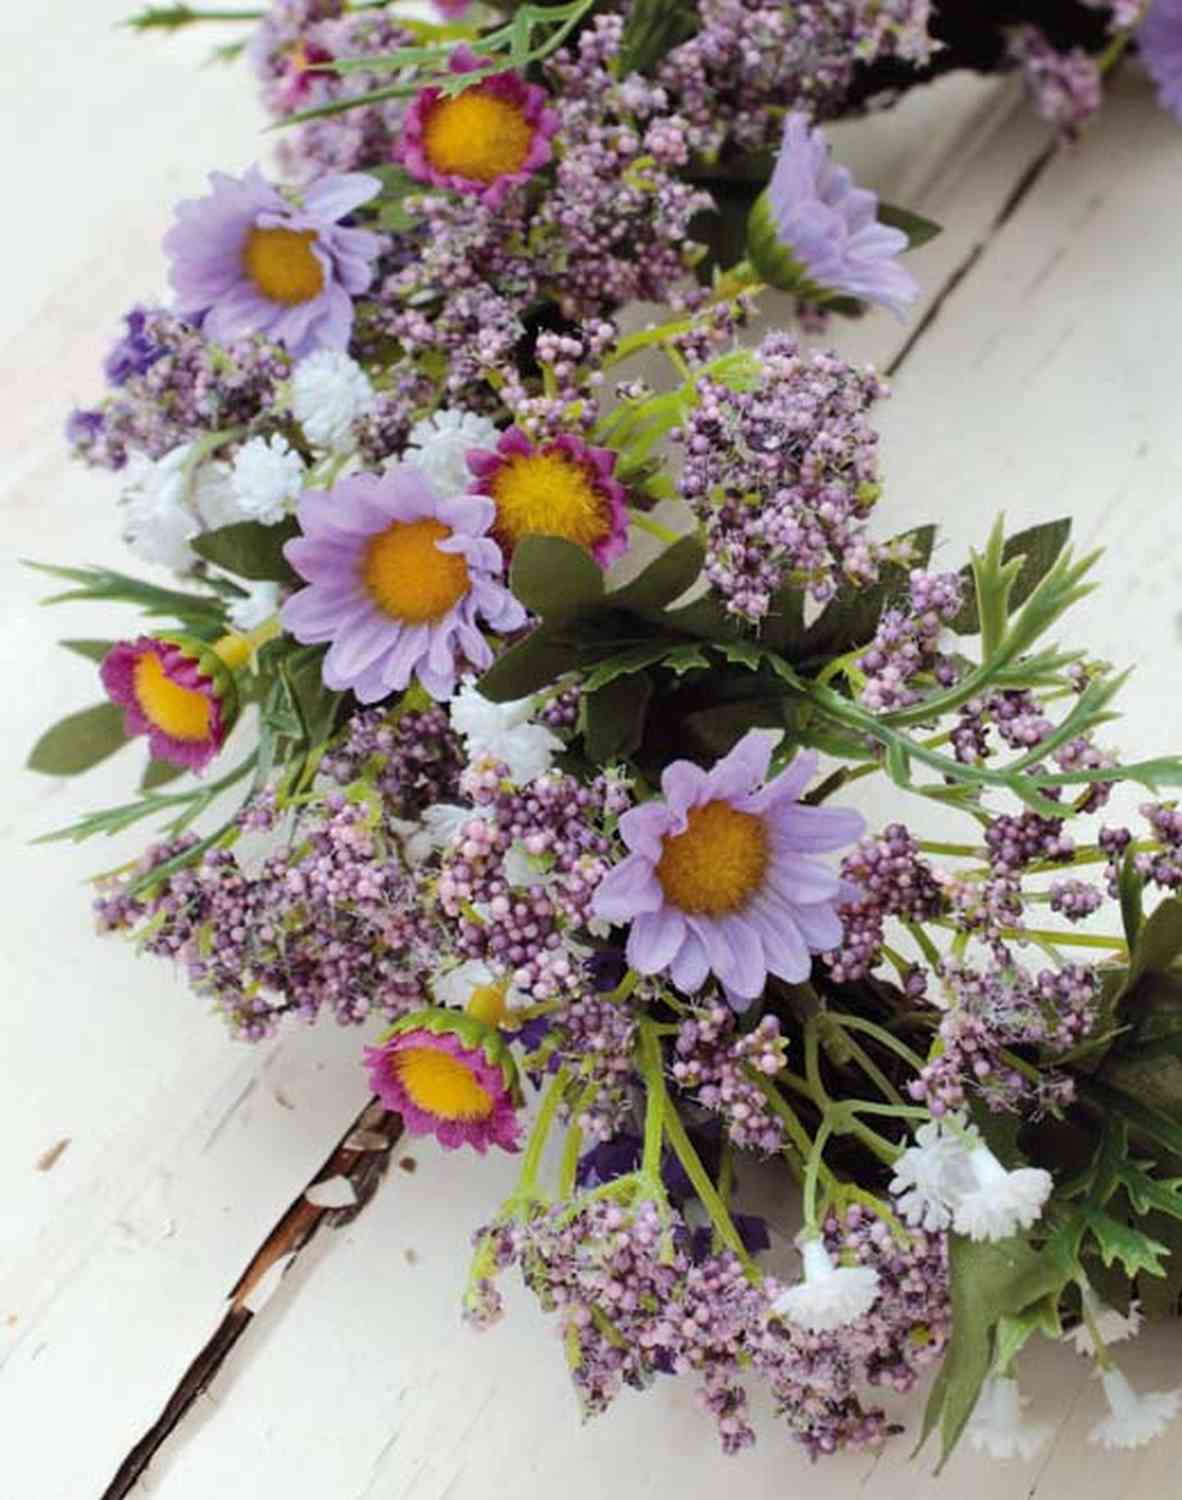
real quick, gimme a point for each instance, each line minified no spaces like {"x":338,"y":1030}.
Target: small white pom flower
{"x":163,"y":511}
{"x":259,"y":604}
{"x":999,"y":1203}
{"x":502,"y":731}
{"x":1133,"y":1420}
{"x":829,"y":1296}
{"x":329,"y":391}
{"x":267,"y":479}
{"x":1114,"y":1327}
{"x":996,"y":1426}
{"x":931,"y":1176}
{"x":438,"y":445}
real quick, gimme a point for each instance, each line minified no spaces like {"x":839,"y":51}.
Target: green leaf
{"x":79,"y":741}
{"x":555,"y":578}
{"x":529,"y":666}
{"x":664,"y":580}
{"x":397,"y":186}
{"x":90,"y":650}
{"x":1159,"y":942}
{"x":683,"y":659}
{"x":1143,"y":1119}
{"x":248,"y":549}
{"x":653,"y":29}
{"x":742,"y":653}
{"x":315,"y":703}
{"x":1015,"y":1329}
{"x":1151,"y":1194}
{"x":989,"y":1281}
{"x":199,"y":611}
{"x":623,"y":665}
{"x":1040,"y":547}
{"x":614,"y":718}
{"x":1119,"y":1241}
{"x":917,"y":229}
{"x":159,"y":773}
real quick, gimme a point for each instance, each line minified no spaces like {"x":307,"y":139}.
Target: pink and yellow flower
{"x":563,"y":488}
{"x":176,"y":691}
{"x":482,"y":142}
{"x":448,"y":1075}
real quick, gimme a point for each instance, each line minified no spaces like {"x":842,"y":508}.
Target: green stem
{"x":812,"y":1175}
{"x":960,"y":851}
{"x":573,"y":1143}
{"x":526,"y":1191}
{"x":880,"y":1035}
{"x":1064,"y":939}
{"x":645,"y":523}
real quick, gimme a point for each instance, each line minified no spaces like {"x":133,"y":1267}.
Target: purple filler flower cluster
{"x":784,"y":477}
{"x":713,"y":1060}
{"x":906,"y":645}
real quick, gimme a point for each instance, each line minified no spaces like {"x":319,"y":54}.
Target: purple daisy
{"x":177,"y":692}
{"x":482,"y":142}
{"x":718,"y":880}
{"x":449,"y":1076}
{"x":1159,"y":39}
{"x":397,"y":577}
{"x":246,"y":260}
{"x":562,"y":488}
{"x":814,"y":232}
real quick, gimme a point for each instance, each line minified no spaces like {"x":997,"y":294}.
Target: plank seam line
{"x":352,"y":1158}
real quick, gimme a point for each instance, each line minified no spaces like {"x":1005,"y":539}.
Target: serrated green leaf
{"x":1121,"y":1242}
{"x":249,"y":549}
{"x":88,"y":649}
{"x":1040,"y":546}
{"x":79,"y":741}
{"x":917,"y":229}
{"x":555,"y":578}
{"x":684,"y":659}
{"x":613,"y":723}
{"x":1151,"y":1194}
{"x":741,"y":653}
{"x":623,"y":665}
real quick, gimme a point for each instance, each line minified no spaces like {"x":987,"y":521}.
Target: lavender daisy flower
{"x":247,"y":260}
{"x":718,"y":879}
{"x":397,"y":577}
{"x":814,"y":232}
{"x":1160,"y":42}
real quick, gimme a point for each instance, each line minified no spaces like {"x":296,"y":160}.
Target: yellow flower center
{"x":180,"y":711}
{"x":717,"y":863}
{"x":408,"y":576}
{"x":281,"y":264}
{"x":487,"y":1003}
{"x":548,"y":494}
{"x":442,"y":1085}
{"x":476,"y":135}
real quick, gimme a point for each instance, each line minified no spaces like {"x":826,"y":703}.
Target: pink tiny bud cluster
{"x":712,"y":1058}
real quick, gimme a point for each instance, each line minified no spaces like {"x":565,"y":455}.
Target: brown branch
{"x":361,"y":1156}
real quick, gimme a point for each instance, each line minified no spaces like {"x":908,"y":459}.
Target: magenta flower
{"x":814,"y":232}
{"x":482,"y":142}
{"x":450,"y":1076}
{"x":1159,"y":39}
{"x":562,"y":488}
{"x":719,"y":881}
{"x":246,"y":260}
{"x":397,"y":578}
{"x":177,"y":692}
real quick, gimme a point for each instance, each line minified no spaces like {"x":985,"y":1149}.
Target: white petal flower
{"x":996,"y":1426}
{"x":329,"y":391}
{"x":260,"y":603}
{"x":164,"y":508}
{"x":829,"y":1296}
{"x":456,"y":985}
{"x":267,"y":480}
{"x":1000,"y":1202}
{"x":1133,"y":1420}
{"x":438,"y":445}
{"x":1114,"y":1327}
{"x":931,"y":1176}
{"x":502,"y":732}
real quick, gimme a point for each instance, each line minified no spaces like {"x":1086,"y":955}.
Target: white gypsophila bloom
{"x":1114,"y":1327}
{"x":165,"y":507}
{"x":329,"y":391}
{"x":1000,"y":1203}
{"x":439,"y":444}
{"x":259,"y":604}
{"x":996,"y":1426}
{"x":502,"y":732}
{"x":931,"y":1176}
{"x":829,"y":1296}
{"x":1133,"y":1420}
{"x":268,"y":475}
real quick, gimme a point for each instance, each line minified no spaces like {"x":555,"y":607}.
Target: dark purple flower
{"x":134,"y":353}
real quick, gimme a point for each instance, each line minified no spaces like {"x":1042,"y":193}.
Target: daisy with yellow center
{"x":719,"y":878}
{"x":563,"y":488}
{"x":448,"y":1075}
{"x":177,"y":692}
{"x":481,"y":142}
{"x":398,"y":580}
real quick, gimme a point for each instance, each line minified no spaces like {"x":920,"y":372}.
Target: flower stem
{"x":527,"y":1191}
{"x":645,"y":523}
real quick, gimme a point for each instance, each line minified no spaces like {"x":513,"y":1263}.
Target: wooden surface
{"x":1042,"y":381}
